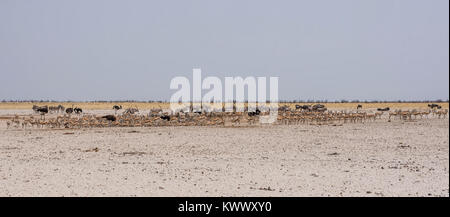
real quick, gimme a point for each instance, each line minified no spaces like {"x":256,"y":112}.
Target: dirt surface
{"x":398,"y":158}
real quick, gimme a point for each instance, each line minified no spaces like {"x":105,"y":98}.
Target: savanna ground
{"x":397,"y":158}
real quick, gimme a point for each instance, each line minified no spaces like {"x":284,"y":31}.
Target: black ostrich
{"x":165,"y":117}
{"x":383,"y":109}
{"x":78,"y":110}
{"x":69,"y":110}
{"x":42,"y":110}
{"x":255,"y":113}
{"x":359,"y":106}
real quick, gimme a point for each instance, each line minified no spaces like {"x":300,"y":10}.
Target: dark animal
{"x":110,"y":117}
{"x":432,"y":106}
{"x":255,"y":113}
{"x":38,"y":108}
{"x":69,"y":110}
{"x":383,"y":109}
{"x":42,"y":110}
{"x":359,"y":106}
{"x":165,"y":117}
{"x":116,"y":107}
{"x":305,"y":107}
{"x":78,"y":110}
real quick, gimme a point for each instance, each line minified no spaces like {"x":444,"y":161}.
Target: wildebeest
{"x":110,"y":117}
{"x":383,"y":109}
{"x":359,"y":106}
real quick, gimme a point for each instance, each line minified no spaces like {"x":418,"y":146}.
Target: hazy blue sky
{"x":334,"y":49}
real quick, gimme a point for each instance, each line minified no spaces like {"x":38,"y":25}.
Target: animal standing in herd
{"x":302,"y":114}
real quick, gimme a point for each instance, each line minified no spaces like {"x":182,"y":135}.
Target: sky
{"x":130,"y":50}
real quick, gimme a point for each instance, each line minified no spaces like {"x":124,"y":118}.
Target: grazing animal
{"x":359,"y":106}
{"x":42,"y":110}
{"x":165,"y":117}
{"x":110,"y":117}
{"x":116,"y":107}
{"x":69,"y":110}
{"x":303,"y":107}
{"x":383,"y":109}
{"x":78,"y":110}
{"x":255,"y":113}
{"x":432,"y":106}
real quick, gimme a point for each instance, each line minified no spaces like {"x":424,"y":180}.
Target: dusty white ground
{"x":374,"y":159}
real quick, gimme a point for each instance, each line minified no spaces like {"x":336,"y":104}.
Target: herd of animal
{"x":43,"y":110}
{"x":302,"y":114}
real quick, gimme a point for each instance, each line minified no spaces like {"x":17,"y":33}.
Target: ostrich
{"x":42,"y":110}
{"x":359,"y":106}
{"x":165,"y":117}
{"x":69,"y":110}
{"x":78,"y":110}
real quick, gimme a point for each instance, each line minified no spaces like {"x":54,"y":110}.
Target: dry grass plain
{"x":381,"y":158}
